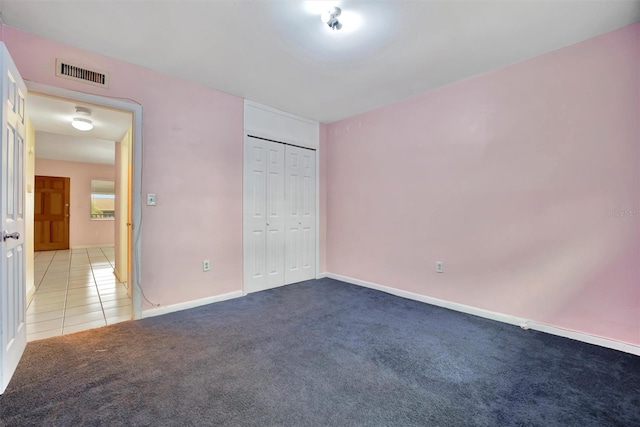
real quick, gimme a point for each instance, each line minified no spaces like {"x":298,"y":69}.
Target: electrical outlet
{"x":206,"y":265}
{"x":151,"y":199}
{"x":439,"y":267}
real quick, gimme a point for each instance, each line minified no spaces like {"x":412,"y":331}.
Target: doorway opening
{"x":91,"y":282}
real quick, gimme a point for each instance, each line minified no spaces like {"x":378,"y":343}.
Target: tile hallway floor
{"x":75,"y":290}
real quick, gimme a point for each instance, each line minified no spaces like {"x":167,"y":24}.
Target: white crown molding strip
{"x":152,"y":312}
{"x":500,"y":317}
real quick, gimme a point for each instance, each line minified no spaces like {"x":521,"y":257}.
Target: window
{"x":103,"y":199}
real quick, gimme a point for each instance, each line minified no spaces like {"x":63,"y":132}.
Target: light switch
{"x":151,"y":199}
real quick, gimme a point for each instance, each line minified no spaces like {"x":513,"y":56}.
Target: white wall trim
{"x":90,"y":246}
{"x":31,"y":291}
{"x":119,"y":277}
{"x":584,"y":337}
{"x":190,"y":304}
{"x":500,"y":317}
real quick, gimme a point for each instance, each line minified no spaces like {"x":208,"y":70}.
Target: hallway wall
{"x":83,"y":231}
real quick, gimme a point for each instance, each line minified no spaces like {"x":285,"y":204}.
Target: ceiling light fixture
{"x":330,"y":18}
{"x":82,"y":123}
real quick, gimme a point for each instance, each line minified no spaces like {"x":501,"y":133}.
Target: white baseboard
{"x":322,"y":275}
{"x":118,"y":276}
{"x":158,"y":311}
{"x":500,"y":317}
{"x":584,"y":337}
{"x":106,"y":245}
{"x":31,"y":291}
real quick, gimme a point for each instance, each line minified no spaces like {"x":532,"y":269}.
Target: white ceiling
{"x":57,"y":139}
{"x":74,"y":148}
{"x":279,"y":53}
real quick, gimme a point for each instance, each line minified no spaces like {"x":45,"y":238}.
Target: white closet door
{"x":275,"y":225}
{"x":300,"y":196}
{"x":263,"y":216}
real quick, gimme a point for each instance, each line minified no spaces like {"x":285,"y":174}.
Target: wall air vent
{"x":83,"y":74}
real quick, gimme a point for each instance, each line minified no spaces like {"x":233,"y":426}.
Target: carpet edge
{"x":159,"y":311}
{"x":500,"y":317}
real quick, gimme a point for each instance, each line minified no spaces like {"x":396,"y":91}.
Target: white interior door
{"x":300,"y":196}
{"x":264,"y":223}
{"x":12,"y":267}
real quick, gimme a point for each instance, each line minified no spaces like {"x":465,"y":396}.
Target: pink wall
{"x":82,"y":230}
{"x":509,"y":178}
{"x":192,"y":160}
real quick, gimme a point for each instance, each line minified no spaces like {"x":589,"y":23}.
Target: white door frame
{"x":269,"y":123}
{"x":136,"y":111}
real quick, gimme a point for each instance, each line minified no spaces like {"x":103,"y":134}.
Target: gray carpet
{"x":321,"y":353}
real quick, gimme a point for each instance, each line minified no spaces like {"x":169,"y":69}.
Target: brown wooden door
{"x":51,"y":213}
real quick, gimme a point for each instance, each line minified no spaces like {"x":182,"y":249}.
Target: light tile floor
{"x":75,"y":290}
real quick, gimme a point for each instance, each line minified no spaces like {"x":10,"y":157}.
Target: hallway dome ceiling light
{"x":330,"y":18}
{"x":82,"y":123}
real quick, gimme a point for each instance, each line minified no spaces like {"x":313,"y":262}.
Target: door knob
{"x":6,"y":235}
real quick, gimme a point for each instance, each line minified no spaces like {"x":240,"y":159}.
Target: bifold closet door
{"x":264,"y":227}
{"x":300,"y":200}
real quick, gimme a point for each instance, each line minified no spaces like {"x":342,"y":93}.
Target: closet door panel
{"x":275,"y":224}
{"x":264,"y":223}
{"x":300,"y":226}
{"x":308,"y":213}
{"x":254,"y":236}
